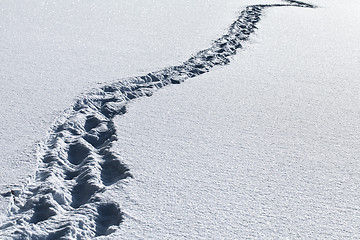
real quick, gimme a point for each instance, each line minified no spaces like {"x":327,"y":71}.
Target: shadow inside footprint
{"x":109,"y":214}
{"x":43,"y":209}
{"x":113,"y":171}
{"x":82,"y":192}
{"x":77,"y":153}
{"x":91,"y":122}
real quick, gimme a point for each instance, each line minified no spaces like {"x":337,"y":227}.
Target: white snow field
{"x":53,"y":51}
{"x":265,"y":147}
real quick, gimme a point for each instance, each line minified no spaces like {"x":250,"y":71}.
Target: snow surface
{"x":53,"y":51}
{"x":265,"y":147}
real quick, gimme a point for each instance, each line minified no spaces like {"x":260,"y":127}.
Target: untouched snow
{"x":263,"y":148}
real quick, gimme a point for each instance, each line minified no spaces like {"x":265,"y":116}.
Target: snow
{"x":53,"y":51}
{"x":265,"y":147}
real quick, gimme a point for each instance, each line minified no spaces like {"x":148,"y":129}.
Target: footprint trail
{"x":77,"y":166}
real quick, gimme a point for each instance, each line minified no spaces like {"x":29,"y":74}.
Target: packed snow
{"x":265,"y":147}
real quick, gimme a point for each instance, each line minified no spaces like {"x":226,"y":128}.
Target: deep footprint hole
{"x":109,"y":214}
{"x":82,"y":192}
{"x":77,"y":153}
{"x":91,"y":122}
{"x":113,"y":171}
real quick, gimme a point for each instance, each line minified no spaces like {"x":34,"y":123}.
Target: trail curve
{"x":77,"y":164}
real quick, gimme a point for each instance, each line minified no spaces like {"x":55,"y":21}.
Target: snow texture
{"x":77,"y":163}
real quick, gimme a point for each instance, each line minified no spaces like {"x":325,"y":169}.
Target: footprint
{"x":113,"y":170}
{"x":43,"y":209}
{"x":77,"y":161}
{"x":109,"y":214}
{"x":78,"y":152}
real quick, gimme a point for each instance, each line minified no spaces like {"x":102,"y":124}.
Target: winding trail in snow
{"x":76,"y":161}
